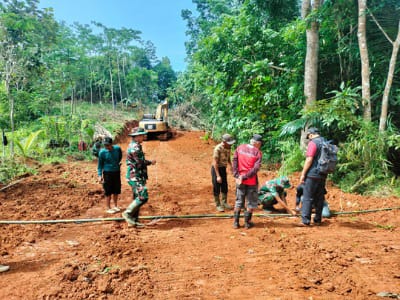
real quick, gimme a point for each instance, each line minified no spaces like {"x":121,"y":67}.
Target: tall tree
{"x":166,"y":77}
{"x":26,"y":33}
{"x":389,"y":79}
{"x":365,"y":70}
{"x":309,"y":13}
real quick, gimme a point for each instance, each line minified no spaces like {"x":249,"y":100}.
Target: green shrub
{"x":292,"y":156}
{"x":363,"y":165}
{"x":11,"y":169}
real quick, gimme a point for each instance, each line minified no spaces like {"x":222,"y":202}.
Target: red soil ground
{"x":352,"y":256}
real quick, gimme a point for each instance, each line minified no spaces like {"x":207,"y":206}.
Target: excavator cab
{"x":157,"y":124}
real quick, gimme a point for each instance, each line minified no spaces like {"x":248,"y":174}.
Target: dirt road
{"x":354,"y":256}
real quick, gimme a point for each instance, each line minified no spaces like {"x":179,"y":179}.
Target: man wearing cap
{"x":221,"y":159}
{"x":136,"y":175}
{"x":246,"y":163}
{"x":108,"y":170}
{"x":273,"y":192}
{"x":314,"y":182}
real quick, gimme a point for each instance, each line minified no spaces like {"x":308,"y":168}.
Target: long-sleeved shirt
{"x":109,"y":161}
{"x":246,"y":163}
{"x":136,"y":163}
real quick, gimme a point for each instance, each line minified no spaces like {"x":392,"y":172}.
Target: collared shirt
{"x":222,"y":155}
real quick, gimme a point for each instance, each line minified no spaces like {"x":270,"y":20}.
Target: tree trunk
{"x":72,"y":99}
{"x":9,"y":70}
{"x":362,"y":44}
{"x":119,"y":79}
{"x":305,"y":8}
{"x":386,"y":93}
{"x":111,"y":85}
{"x":124,"y":74}
{"x":311,"y":62}
{"x":11,"y":99}
{"x":91,"y":83}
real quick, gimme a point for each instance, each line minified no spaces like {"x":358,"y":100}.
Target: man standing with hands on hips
{"x":246,"y":163}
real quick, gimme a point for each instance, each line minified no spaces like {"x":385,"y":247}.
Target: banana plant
{"x":27,"y":145}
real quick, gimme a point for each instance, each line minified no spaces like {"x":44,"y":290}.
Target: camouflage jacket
{"x":272,"y":186}
{"x":136,"y":163}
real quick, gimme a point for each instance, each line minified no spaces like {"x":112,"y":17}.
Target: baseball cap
{"x":312,"y":130}
{"x":227,"y":138}
{"x":107,"y":141}
{"x":257,"y":138}
{"x":284,"y":181}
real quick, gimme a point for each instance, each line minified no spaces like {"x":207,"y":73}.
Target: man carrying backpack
{"x":314,"y":181}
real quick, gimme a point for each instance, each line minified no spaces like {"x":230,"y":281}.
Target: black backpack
{"x":328,"y":157}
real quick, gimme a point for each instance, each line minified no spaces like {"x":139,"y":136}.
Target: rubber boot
{"x":236,"y":216}
{"x":130,"y":211}
{"x":224,"y":200}
{"x":218,"y":204}
{"x":247,"y":219}
{"x":135,"y":217}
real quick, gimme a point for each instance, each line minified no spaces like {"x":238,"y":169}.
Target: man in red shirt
{"x":314,"y":182}
{"x":245,"y":165}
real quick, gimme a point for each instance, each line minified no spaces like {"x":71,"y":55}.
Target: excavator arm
{"x":162,"y":111}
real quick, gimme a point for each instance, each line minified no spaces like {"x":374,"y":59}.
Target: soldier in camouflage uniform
{"x":273,"y":192}
{"x":136,"y":176}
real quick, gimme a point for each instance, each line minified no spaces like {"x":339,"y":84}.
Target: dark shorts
{"x":112,"y":183}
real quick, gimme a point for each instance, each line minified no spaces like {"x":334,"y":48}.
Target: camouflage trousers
{"x":139,"y":191}
{"x":139,"y":196}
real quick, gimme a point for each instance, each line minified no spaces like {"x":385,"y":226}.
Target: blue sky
{"x":159,"y":21}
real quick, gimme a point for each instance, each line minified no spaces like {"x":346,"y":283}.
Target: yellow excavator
{"x":157,"y":124}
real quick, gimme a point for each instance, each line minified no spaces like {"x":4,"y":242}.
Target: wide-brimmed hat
{"x":227,"y":138}
{"x":137,"y":131}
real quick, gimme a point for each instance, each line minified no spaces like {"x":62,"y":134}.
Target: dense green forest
{"x":268,"y":67}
